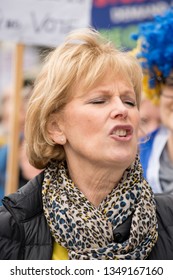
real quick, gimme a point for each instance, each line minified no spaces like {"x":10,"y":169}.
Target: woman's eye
{"x":144,"y":121}
{"x":98,"y":101}
{"x":130,"y":103}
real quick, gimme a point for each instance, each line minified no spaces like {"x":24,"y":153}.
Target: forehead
{"x":105,"y":84}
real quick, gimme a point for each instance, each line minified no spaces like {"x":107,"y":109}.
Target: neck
{"x":93,"y":181}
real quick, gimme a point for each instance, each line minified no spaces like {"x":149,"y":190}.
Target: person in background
{"x":149,"y":116}
{"x":156,"y":57}
{"x":26,"y":171}
{"x":7,"y":105}
{"x":2,"y":136}
{"x":6,"y":109}
{"x":91,"y":201}
{"x":149,"y":110}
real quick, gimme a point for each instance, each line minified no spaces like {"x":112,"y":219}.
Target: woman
{"x":91,"y":201}
{"x":156,"y":53}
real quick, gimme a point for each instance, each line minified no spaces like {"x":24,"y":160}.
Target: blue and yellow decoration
{"x":155,"y":52}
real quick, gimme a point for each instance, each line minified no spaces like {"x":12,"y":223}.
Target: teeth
{"x":120,"y":132}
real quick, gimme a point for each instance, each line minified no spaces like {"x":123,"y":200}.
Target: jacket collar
{"x":27,"y":201}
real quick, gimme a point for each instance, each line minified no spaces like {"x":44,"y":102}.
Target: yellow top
{"x":59,"y":252}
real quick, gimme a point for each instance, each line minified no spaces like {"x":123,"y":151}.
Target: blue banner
{"x":120,"y":18}
{"x":110,"y":13}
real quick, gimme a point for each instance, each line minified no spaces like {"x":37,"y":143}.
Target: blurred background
{"x":116,"y":19}
{"x":33,"y":28}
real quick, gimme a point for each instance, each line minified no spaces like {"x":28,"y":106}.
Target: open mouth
{"x":122,"y":132}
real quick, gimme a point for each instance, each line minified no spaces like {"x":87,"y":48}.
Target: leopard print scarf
{"x":87,"y":231}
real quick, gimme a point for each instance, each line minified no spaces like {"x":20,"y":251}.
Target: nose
{"x":119,"y":110}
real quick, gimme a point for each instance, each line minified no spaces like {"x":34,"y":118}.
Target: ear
{"x":55,"y":130}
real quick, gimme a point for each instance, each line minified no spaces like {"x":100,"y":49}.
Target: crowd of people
{"x":25,"y":170}
{"x":102,"y":182}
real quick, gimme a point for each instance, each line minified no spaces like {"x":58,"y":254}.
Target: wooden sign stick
{"x":13,"y":142}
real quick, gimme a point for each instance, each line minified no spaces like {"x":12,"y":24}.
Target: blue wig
{"x":156,"y":50}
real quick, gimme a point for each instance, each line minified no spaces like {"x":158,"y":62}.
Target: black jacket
{"x":24,"y":233}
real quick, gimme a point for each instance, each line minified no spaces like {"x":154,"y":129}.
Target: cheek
{"x":137,"y":127}
{"x":136,"y":120}
{"x":80,"y":124}
{"x":164,"y":109}
{"x":90,"y":125}
{"x":165,"y":114}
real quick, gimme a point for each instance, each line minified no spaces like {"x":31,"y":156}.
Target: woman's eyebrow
{"x":93,"y":92}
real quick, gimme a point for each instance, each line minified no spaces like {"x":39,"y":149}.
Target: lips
{"x":122,"y":131}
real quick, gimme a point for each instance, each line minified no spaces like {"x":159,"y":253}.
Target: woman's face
{"x":101,"y":125}
{"x":166,"y":106}
{"x":149,"y":117}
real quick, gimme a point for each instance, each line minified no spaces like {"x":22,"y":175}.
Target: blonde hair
{"x":84,"y":58}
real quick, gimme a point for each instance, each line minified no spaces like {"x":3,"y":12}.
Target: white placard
{"x":42,"y":22}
